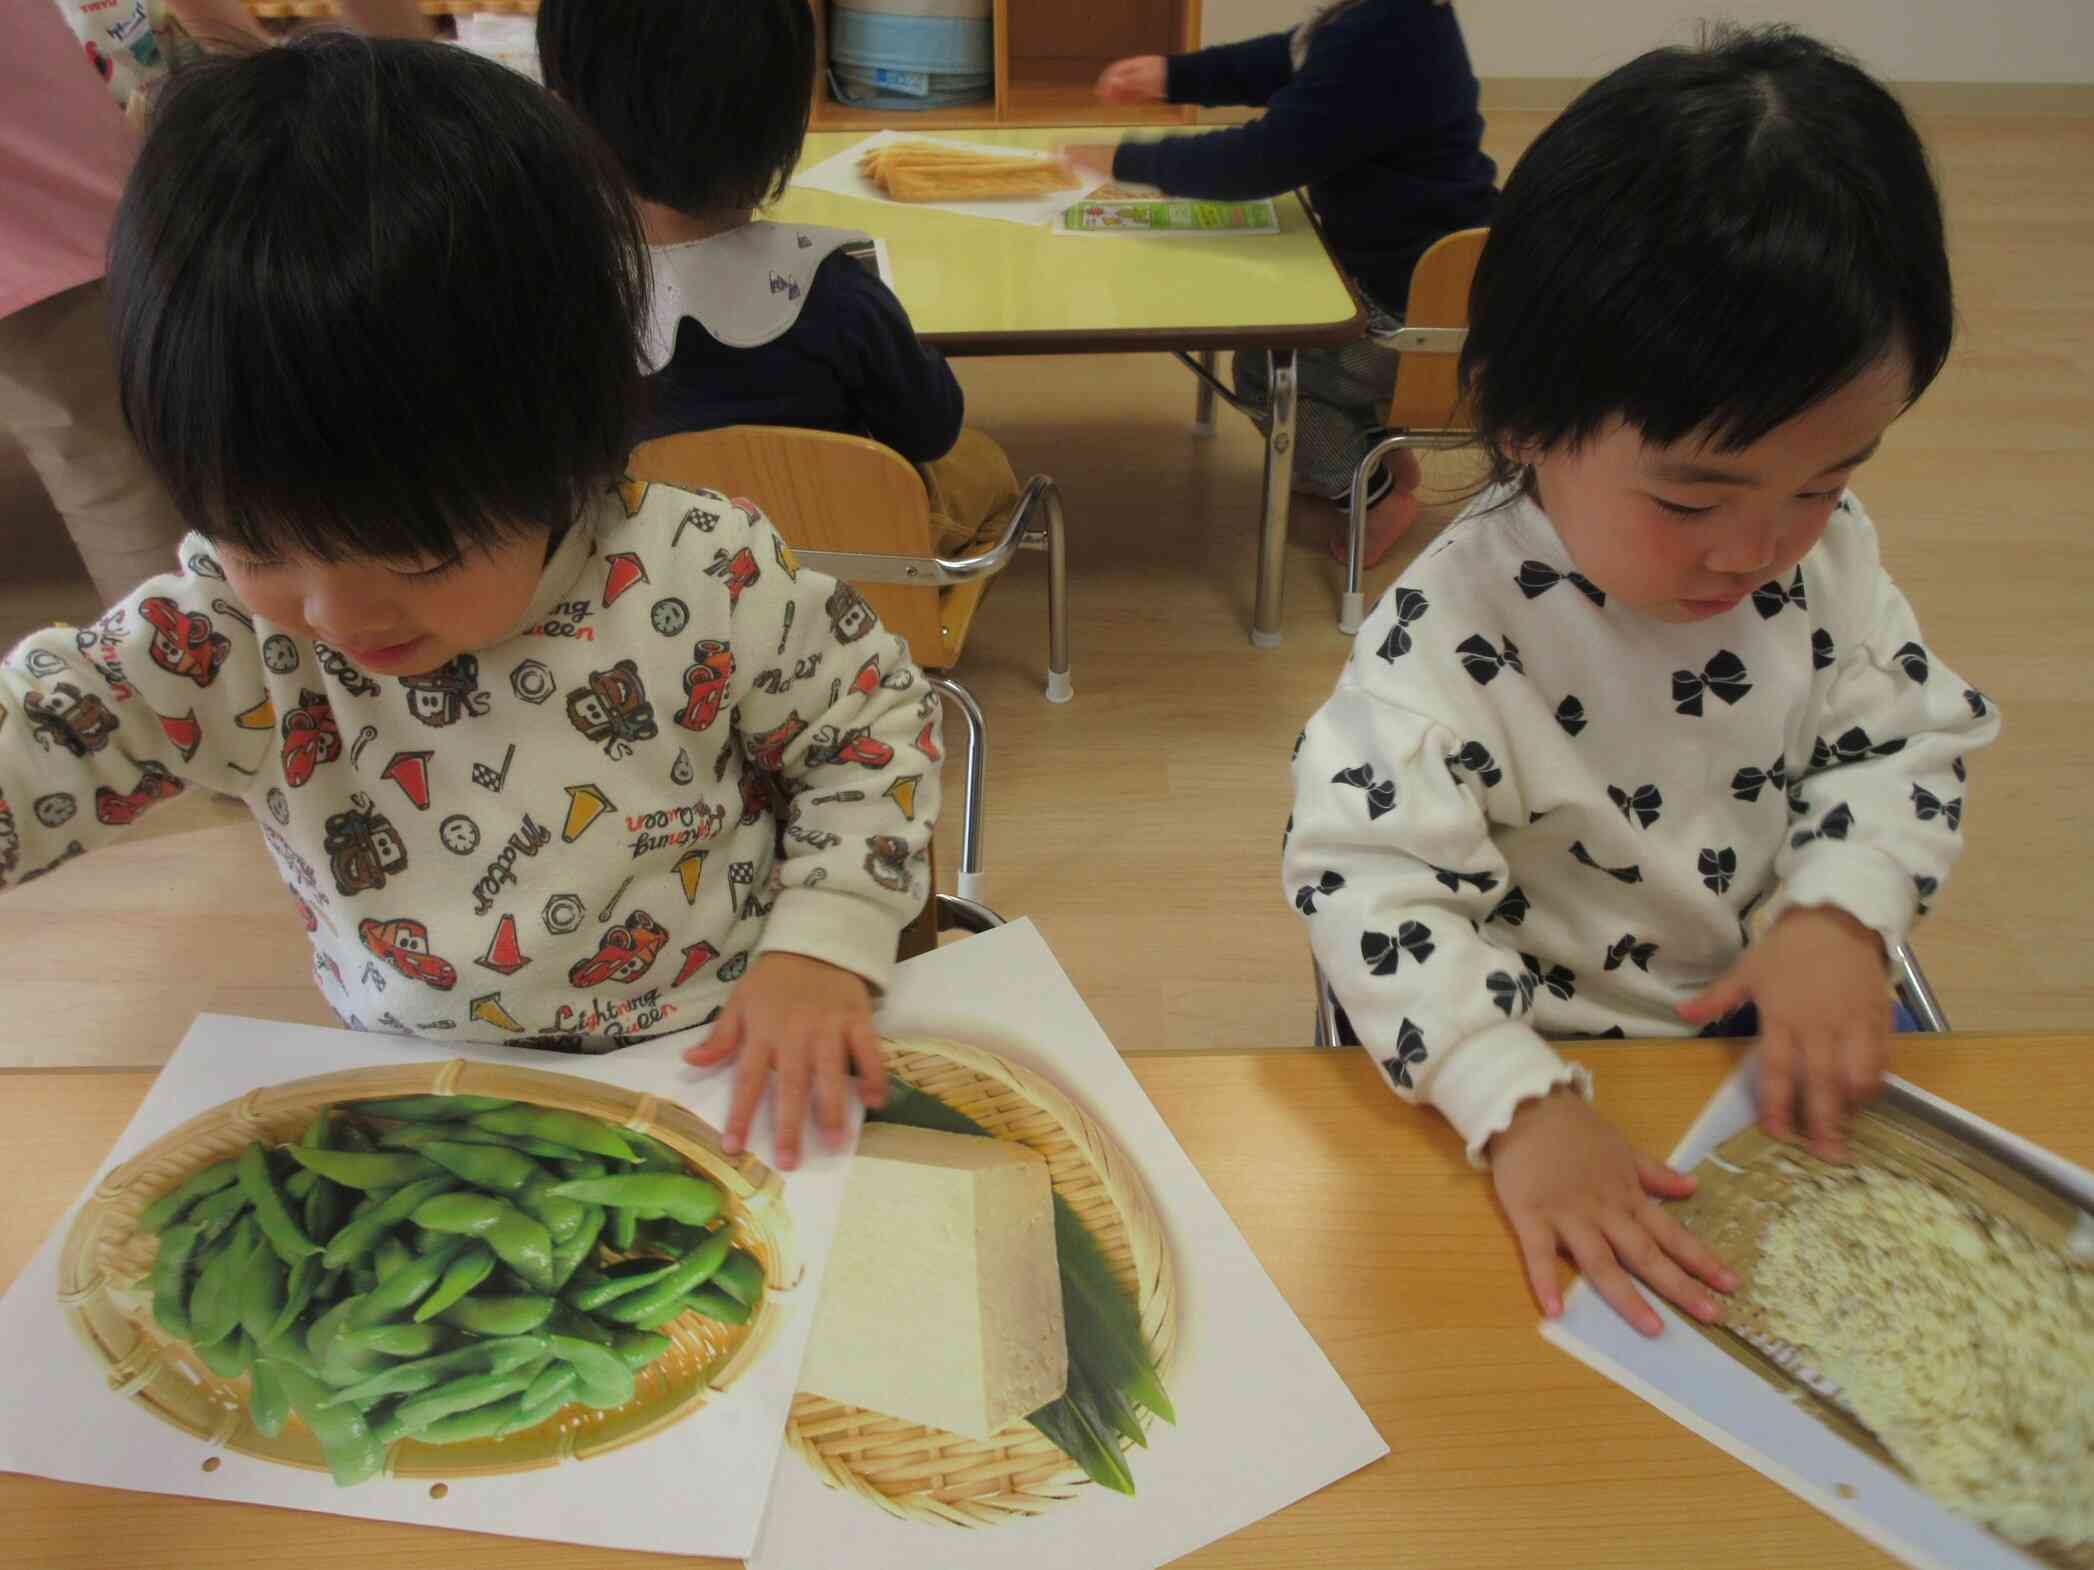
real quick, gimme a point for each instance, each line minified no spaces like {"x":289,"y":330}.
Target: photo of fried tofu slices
{"x":940,"y":172}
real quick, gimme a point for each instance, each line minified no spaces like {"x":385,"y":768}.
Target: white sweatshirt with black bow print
{"x":1527,"y":811}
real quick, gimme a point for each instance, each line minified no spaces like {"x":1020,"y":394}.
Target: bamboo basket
{"x":104,"y":1265}
{"x":917,"y":1473}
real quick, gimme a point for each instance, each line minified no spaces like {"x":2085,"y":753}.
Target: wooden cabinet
{"x":1048,"y":52}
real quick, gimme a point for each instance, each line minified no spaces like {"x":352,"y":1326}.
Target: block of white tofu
{"x":942,"y":1303}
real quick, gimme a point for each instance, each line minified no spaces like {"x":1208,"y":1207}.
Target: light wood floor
{"x":1139,"y":825}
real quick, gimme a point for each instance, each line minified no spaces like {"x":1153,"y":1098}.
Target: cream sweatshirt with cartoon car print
{"x":568,"y":839}
{"x":1528,"y":811}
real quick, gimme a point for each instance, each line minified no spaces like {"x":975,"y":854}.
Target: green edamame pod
{"x":418,"y":1136}
{"x":714,"y":1304}
{"x":384,"y":1422}
{"x":608,"y":1288}
{"x":552,"y":1384}
{"x":262,"y":1292}
{"x":406,"y":1286}
{"x":518,"y":1241}
{"x":654,"y":1156}
{"x":465,"y":1270}
{"x":214,"y":1306}
{"x":498,"y":1316}
{"x":568,"y":1256}
{"x":400,"y":1340}
{"x":567,"y":1322}
{"x":673,"y":1238}
{"x":353,"y":1452}
{"x":389,"y":1256}
{"x":300,"y":1184}
{"x":228,"y":1358}
{"x":178,"y":1247}
{"x":740,"y":1277}
{"x":693,"y":1270}
{"x":503,"y":1355}
{"x":529,"y":1416}
{"x":482,"y":1422}
{"x":494,"y":1167}
{"x":623,"y":1229}
{"x":461,"y":1395}
{"x":430,"y":1109}
{"x":601,"y":1378}
{"x":637,"y":1348}
{"x":268,"y":1404}
{"x":361,"y":1234}
{"x":259,"y":1185}
{"x":675,"y":1195}
{"x":290,"y":1348}
{"x":537,"y":1199}
{"x":298,"y":1295}
{"x":219,"y":1211}
{"x":169,"y":1207}
{"x":584,"y":1167}
{"x":366,"y":1169}
{"x":339,"y":1363}
{"x":323,"y":1207}
{"x":363,"y":1280}
{"x":558,"y":1127}
{"x":655,"y":1318}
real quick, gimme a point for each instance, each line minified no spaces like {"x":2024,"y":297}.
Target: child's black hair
{"x":1706,"y":244}
{"x":705,"y":102}
{"x":373,"y":297}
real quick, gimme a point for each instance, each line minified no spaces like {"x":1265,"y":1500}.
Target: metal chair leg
{"x":970,"y":878}
{"x":1351,"y":603}
{"x":1203,"y":399}
{"x":956,"y":913}
{"x":1325,"y":1030}
{"x":1279,"y":485}
{"x":1914,"y":992}
{"x":1053,"y":536}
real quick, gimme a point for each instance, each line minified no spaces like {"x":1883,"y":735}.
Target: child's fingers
{"x":872,"y":1064}
{"x":1824,"y":1100}
{"x":720,"y":1042}
{"x":1777,"y":1082}
{"x":1661,"y":1181}
{"x":795,"y":1065}
{"x":1594,"y":1255}
{"x":1636,"y":1248}
{"x":831,"y":1074}
{"x":1538,"y":1253}
{"x":749,"y":1077}
{"x":1717,"y":999}
{"x":1674,"y":1237}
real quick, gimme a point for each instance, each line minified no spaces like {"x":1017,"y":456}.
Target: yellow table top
{"x":984,"y":286}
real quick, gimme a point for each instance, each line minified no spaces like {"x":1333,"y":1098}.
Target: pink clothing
{"x":64,"y":153}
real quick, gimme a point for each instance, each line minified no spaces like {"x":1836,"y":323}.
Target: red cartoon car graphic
{"x":705,"y":683}
{"x":625,"y":955}
{"x":184,"y":643}
{"x":404,"y":945}
{"x":154,"y":785}
{"x":310,"y":738}
{"x":767,"y":748}
{"x":737,"y":572}
{"x":853,"y":746}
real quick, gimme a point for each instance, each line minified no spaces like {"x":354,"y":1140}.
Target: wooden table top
{"x":1504,"y":1451}
{"x":984,"y":286}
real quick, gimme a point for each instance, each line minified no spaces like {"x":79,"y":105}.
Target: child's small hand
{"x":810,"y":1021}
{"x":1818,"y":980}
{"x":1096,"y":157}
{"x":1138,"y":79}
{"x":1571,"y":1184}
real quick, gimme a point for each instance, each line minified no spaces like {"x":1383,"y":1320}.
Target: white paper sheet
{"x":640,"y":1496}
{"x":839,"y":175}
{"x":1697,"y":1384}
{"x":509,"y":40}
{"x":1197,"y":1481}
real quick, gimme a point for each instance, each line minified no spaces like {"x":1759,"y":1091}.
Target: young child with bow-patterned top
{"x":1655,"y":684}
{"x":518,"y":733}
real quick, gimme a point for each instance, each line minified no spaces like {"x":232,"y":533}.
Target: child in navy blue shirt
{"x":1372,"y":105}
{"x":705,"y":104}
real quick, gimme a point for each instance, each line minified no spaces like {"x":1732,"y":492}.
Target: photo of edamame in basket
{"x":391,"y":1271}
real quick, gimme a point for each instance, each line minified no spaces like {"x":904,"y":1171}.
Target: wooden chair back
{"x":1428,"y":392}
{"x":825,"y":492}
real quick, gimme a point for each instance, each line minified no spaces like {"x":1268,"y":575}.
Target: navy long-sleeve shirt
{"x":1380,"y":122}
{"x":850,"y":363}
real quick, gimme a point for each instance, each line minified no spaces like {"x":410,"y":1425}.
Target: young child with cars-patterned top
{"x":519,"y":733}
{"x":1655,"y":683}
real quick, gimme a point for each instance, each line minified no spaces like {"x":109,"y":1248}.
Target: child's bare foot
{"x":1388,"y":520}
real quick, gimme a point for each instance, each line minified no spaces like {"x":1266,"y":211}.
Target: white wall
{"x":1903,"y":40}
